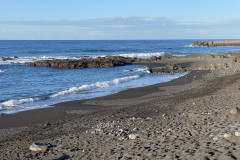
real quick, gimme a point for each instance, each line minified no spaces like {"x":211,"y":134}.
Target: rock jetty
{"x":217,"y":44}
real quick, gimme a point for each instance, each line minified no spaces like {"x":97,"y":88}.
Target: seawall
{"x":217,"y":44}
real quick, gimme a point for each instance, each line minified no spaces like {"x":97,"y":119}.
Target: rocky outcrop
{"x":108,"y":61}
{"x":6,"y":59}
{"x":168,"y":69}
{"x":9,"y":58}
{"x":217,"y":44}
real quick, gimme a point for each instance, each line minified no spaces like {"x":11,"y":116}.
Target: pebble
{"x":133,"y":136}
{"x":237,"y":134}
{"x":47,"y":124}
{"x":215,"y":138}
{"x":38,"y":147}
{"x":235,"y":111}
{"x":226,"y":135}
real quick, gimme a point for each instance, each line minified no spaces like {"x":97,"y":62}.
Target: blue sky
{"x":119,"y":19}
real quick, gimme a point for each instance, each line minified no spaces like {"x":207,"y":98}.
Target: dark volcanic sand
{"x":187,"y":118}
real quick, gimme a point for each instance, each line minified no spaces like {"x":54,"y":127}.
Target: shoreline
{"x":58,"y":111}
{"x":188,"y":117}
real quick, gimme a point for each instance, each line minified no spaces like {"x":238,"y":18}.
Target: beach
{"x":193,"y":117}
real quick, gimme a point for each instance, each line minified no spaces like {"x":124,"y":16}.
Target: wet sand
{"x":188,"y":118}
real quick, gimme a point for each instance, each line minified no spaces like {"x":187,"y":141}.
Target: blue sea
{"x":25,"y":87}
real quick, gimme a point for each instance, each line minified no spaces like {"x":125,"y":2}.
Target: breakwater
{"x":217,"y":44}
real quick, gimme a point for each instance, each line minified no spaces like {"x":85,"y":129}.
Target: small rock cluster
{"x":168,"y":69}
{"x":115,"y":129}
{"x":9,"y":58}
{"x":230,"y":130}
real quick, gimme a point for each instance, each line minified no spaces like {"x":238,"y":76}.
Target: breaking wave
{"x":14,"y":103}
{"x":189,"y":45}
{"x":94,"y":86}
{"x":142,"y":55}
{"x":22,"y":60}
{"x":2,"y":71}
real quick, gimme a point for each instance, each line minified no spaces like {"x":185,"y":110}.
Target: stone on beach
{"x":235,"y":111}
{"x":38,"y":147}
{"x":237,"y":134}
{"x":133,"y":136}
{"x":227,"y":135}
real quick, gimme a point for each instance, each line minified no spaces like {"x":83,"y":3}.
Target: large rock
{"x":108,"y":61}
{"x":38,"y":147}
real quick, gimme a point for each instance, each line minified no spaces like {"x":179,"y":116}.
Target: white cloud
{"x":125,"y":27}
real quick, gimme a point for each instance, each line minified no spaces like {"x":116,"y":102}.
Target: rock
{"x":108,"y":61}
{"x":6,"y":59}
{"x":235,"y":111}
{"x":38,"y":147}
{"x":121,"y":138}
{"x":237,"y":134}
{"x":15,"y":57}
{"x":168,"y":69}
{"x":215,"y":138}
{"x":167,"y":57}
{"x":132,"y":119}
{"x":227,"y":135}
{"x":135,"y":129}
{"x":133,"y":136}
{"x":217,"y":44}
{"x":47,"y":124}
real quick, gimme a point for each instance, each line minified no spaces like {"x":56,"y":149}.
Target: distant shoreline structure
{"x":217,"y":44}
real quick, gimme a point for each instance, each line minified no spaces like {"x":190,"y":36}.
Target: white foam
{"x":142,"y":55}
{"x":189,"y":45}
{"x":22,"y":60}
{"x":10,"y":104}
{"x":137,"y":70}
{"x":94,"y":86}
{"x":2,"y":71}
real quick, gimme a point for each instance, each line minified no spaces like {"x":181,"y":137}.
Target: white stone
{"x":237,"y":133}
{"x":215,"y":138}
{"x":226,"y":135}
{"x":133,"y":136}
{"x":38,"y":147}
{"x":234,"y":111}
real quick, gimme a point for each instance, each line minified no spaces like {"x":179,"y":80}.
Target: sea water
{"x":25,"y":87}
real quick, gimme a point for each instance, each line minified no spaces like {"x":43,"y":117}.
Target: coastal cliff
{"x":217,"y":44}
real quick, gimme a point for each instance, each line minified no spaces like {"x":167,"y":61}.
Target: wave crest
{"x":142,"y":55}
{"x":13,"y":103}
{"x":94,"y":86}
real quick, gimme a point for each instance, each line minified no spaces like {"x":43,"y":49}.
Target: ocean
{"x":25,"y":87}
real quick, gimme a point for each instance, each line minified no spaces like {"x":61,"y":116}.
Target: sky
{"x":119,"y":19}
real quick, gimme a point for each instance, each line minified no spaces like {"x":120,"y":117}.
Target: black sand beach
{"x":192,"y":117}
